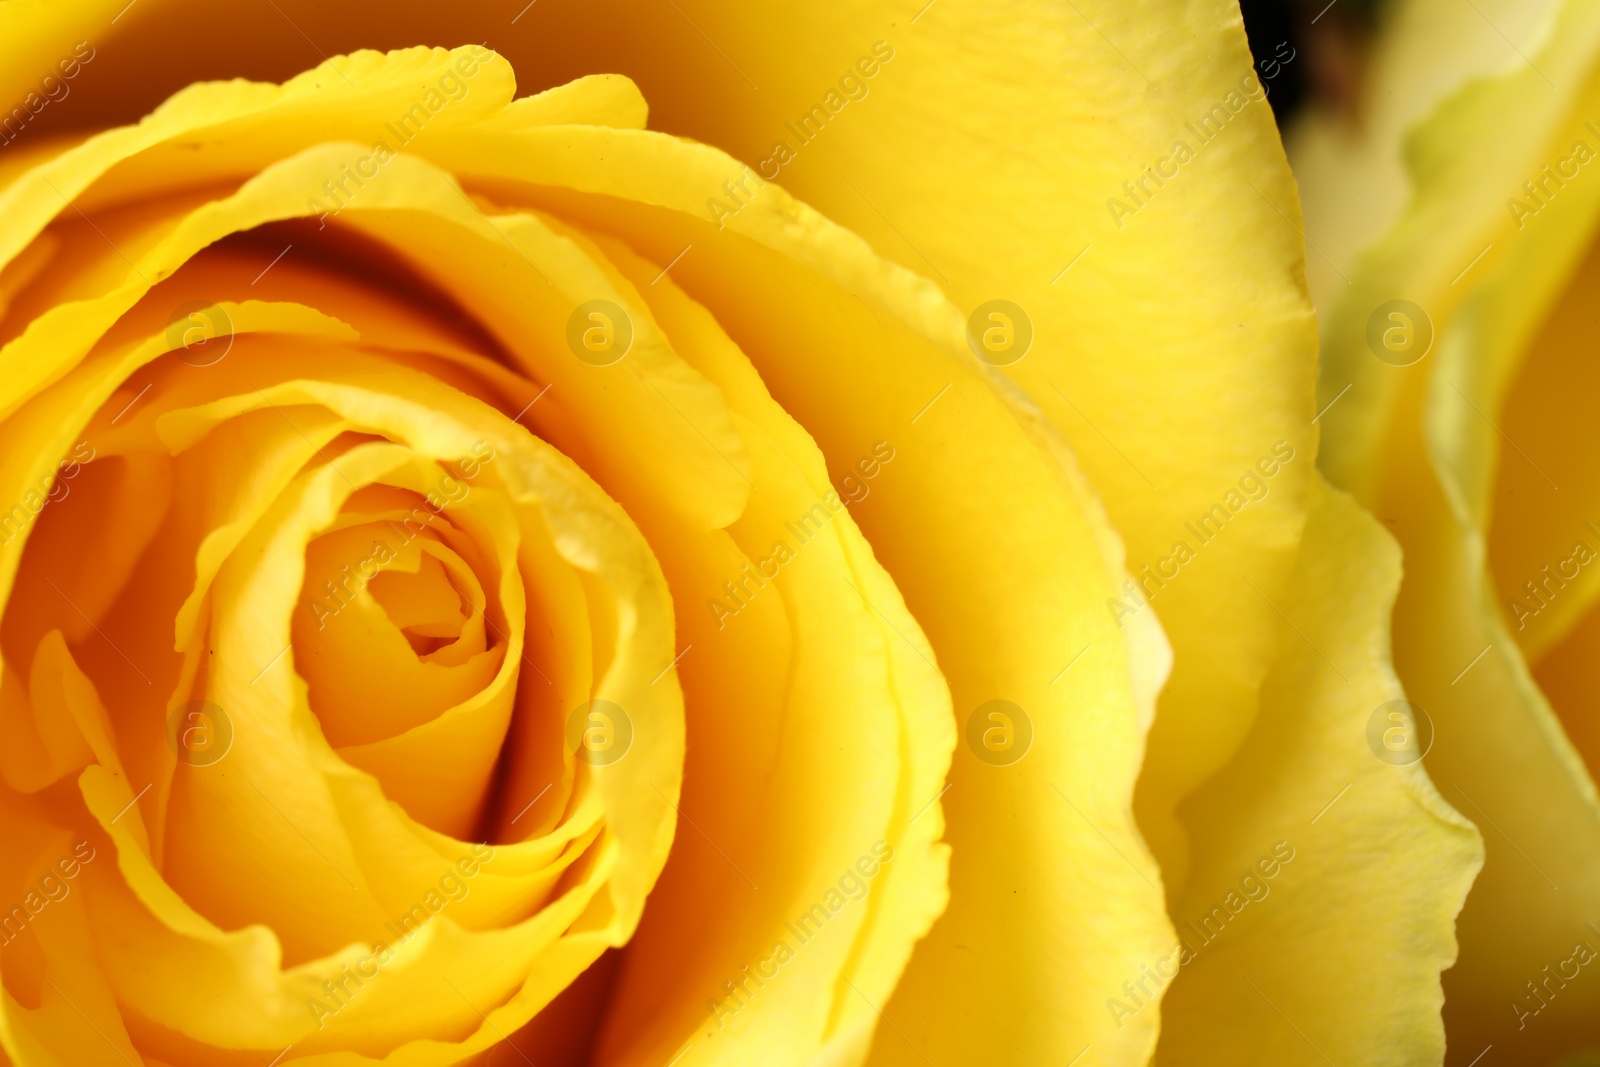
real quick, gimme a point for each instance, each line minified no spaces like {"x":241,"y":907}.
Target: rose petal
{"x":1304,"y":788}
{"x":1421,"y":445}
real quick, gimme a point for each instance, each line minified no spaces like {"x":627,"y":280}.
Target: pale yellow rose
{"x":1456,"y":273}
{"x":504,"y":574}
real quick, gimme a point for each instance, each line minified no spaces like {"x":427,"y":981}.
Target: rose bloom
{"x":494,"y":571}
{"x":1454,"y":216}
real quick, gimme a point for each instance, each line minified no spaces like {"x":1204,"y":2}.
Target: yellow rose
{"x":489,"y":570}
{"x":1456,"y":229}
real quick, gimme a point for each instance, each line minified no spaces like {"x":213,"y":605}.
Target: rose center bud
{"x":401,"y":644}
{"x":423,"y":604}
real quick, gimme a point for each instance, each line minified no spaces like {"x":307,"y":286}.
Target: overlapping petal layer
{"x":818,"y":727}
{"x":497,"y":602}
{"x":1308,"y":779}
{"x":1475,"y":456}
